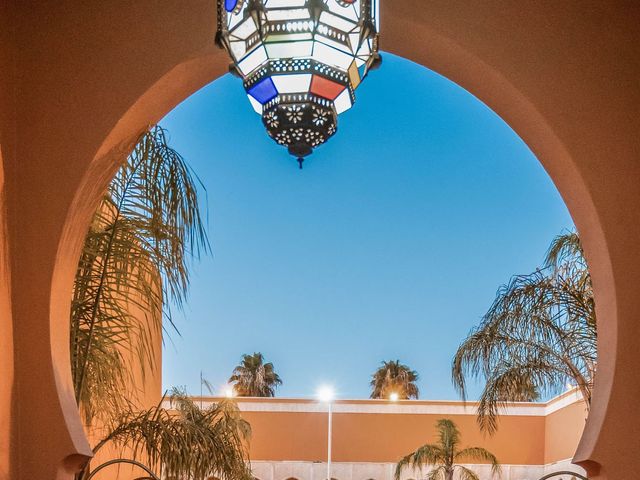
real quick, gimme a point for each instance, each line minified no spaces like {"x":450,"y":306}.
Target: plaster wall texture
{"x":80,"y":70}
{"x":562,"y":432}
{"x":383,"y":438}
{"x":7,"y":384}
{"x":93,"y":75}
{"x":290,"y":437}
{"x":378,"y":432}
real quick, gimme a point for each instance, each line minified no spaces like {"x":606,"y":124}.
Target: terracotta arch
{"x":109,"y":70}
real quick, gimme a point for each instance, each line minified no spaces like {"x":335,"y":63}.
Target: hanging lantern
{"x":301,"y":61}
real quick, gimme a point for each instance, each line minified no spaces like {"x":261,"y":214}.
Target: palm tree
{"x":445,"y":454}
{"x":538,"y":336}
{"x":134,"y":259}
{"x":254,"y":378}
{"x":394,"y":378}
{"x":183,"y":441}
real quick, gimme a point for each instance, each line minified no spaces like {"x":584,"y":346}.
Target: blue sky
{"x":389,"y":244}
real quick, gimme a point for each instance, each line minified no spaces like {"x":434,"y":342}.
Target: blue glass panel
{"x":263,"y":91}
{"x":229,"y":5}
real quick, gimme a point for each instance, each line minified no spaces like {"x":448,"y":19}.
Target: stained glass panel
{"x":263,"y":91}
{"x":326,"y":88}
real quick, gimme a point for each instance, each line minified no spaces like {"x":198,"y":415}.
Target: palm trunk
{"x":448,"y":474}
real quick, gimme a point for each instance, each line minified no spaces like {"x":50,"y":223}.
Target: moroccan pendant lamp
{"x":300,"y":61}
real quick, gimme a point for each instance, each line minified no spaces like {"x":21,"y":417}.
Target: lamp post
{"x":326,"y":396}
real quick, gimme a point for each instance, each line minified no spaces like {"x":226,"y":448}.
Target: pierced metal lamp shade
{"x":301,"y":61}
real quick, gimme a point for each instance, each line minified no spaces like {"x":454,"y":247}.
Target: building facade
{"x":289,"y":436}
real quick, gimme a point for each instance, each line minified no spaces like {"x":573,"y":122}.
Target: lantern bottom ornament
{"x":301,"y":62}
{"x":301,"y":125}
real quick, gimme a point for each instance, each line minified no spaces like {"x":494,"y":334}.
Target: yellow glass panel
{"x":354,"y":75}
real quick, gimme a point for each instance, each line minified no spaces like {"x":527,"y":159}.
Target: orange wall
{"x":361,"y":437}
{"x":281,"y":432}
{"x":563,"y":430}
{"x":287,"y":436}
{"x":391,"y":436}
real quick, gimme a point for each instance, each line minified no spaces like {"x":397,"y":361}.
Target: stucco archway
{"x":92,"y":77}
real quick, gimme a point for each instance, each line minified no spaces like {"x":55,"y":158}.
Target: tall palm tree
{"x":183,"y":441}
{"x":394,"y":378}
{"x":444,"y":456}
{"x":135,"y":258}
{"x":133,"y":267}
{"x":254,"y":378}
{"x":539,"y":335}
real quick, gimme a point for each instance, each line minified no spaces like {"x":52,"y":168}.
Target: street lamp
{"x":325,"y":395}
{"x":300,"y":61}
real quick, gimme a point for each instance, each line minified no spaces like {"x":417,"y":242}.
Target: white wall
{"x":384,"y":471}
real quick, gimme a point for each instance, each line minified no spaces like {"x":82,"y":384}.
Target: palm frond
{"x":479,"y":454}
{"x":401,"y":465}
{"x":438,"y":473}
{"x":421,"y":457}
{"x":187,"y":441}
{"x":507,"y":379}
{"x":466,"y":474}
{"x":449,"y":438}
{"x":566,"y":246}
{"x":133,"y":266}
{"x":544,"y":320}
{"x":207,"y":384}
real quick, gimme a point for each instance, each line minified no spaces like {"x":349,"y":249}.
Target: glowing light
{"x":326,"y":394}
{"x":394,"y":397}
{"x":229,"y":392}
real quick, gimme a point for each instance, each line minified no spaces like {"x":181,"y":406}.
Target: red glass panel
{"x":326,"y":88}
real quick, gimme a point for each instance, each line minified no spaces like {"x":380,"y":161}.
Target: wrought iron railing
{"x":152,"y":476}
{"x":564,"y":475}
